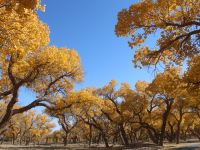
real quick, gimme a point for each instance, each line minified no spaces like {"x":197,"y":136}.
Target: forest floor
{"x":182,"y":146}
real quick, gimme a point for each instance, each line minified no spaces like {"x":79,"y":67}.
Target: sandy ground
{"x":182,"y":146}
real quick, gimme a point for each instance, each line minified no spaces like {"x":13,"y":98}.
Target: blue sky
{"x":88,"y":26}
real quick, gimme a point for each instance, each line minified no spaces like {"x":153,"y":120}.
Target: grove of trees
{"x":167,"y":109}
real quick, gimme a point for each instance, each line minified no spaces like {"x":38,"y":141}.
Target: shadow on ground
{"x":186,"y":148}
{"x":139,"y":146}
{"x":80,"y":147}
{"x":143,"y":145}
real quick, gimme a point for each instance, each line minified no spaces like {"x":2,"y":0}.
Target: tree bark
{"x":105,"y":140}
{"x":65,"y":139}
{"x":178,"y":132}
{"x":123,"y":135}
{"x":90,"y":135}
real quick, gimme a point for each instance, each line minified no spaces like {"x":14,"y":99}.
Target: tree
{"x":13,"y":131}
{"x":171,"y":95}
{"x":66,"y":119}
{"x":28,"y":127}
{"x":20,"y":5}
{"x":14,"y":16}
{"x":160,"y":96}
{"x":26,"y":124}
{"x":177,"y":22}
{"x":27,"y":60}
{"x":182,"y":106}
{"x":42,"y":127}
{"x":192,"y":76}
{"x":87,"y":106}
{"x":115,"y":113}
{"x":171,"y":129}
{"x":56,"y":135}
{"x":68,"y":123}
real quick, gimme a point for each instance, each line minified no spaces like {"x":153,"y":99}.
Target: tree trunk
{"x":164,"y":121}
{"x":90,"y":135}
{"x":178,"y":132}
{"x":47,"y":139}
{"x":2,"y":140}
{"x":20,"y":141}
{"x":179,"y":127}
{"x":9,"y":112}
{"x":131,"y":137}
{"x":171,"y":135}
{"x":123,"y":135}
{"x":105,"y":140}
{"x":136,"y":137}
{"x":153,"y":137}
{"x":65,"y":139}
{"x":13,"y":140}
{"x":162,"y":134}
{"x":161,"y":137}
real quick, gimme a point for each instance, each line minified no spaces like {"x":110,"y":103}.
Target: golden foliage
{"x":175,"y":20}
